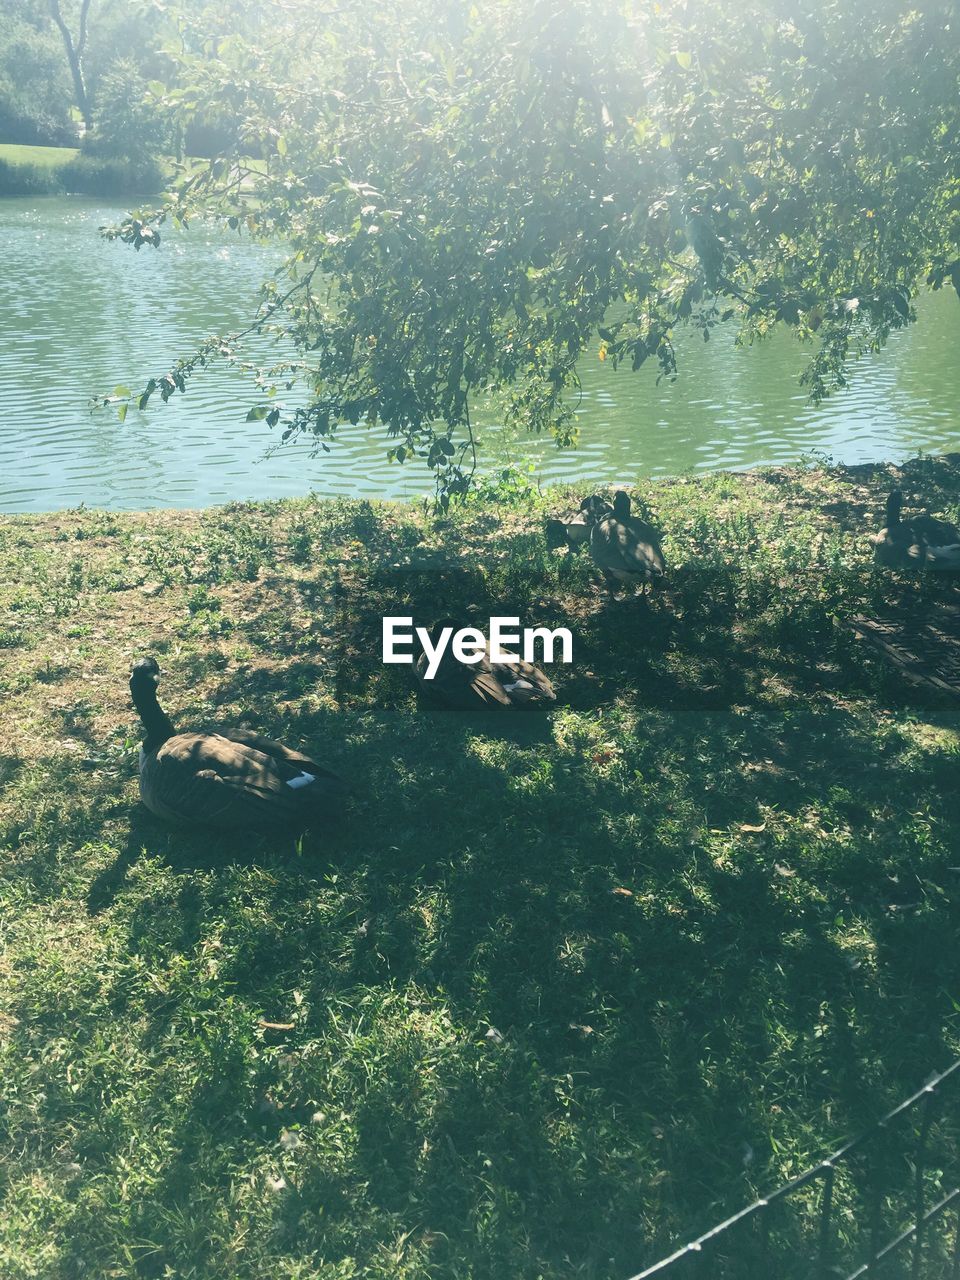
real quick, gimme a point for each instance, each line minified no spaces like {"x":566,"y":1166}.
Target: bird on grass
{"x":486,"y":684}
{"x":230,"y":779}
{"x":920,"y":542}
{"x":575,"y":532}
{"x":624,"y":547}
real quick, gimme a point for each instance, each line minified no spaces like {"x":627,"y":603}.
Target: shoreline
{"x":860,"y":472}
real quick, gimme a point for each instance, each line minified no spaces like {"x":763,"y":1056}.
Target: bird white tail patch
{"x":518,"y":686}
{"x":302,"y":780}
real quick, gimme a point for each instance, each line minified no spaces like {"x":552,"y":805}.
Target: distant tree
{"x":75,"y":48}
{"x":473,"y":193}
{"x":35,"y":91}
{"x":126,"y":121}
{"x":58,"y":53}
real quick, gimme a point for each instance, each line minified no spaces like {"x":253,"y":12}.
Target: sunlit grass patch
{"x":47,"y":157}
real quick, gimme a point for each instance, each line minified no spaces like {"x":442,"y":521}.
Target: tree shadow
{"x":644,"y":934}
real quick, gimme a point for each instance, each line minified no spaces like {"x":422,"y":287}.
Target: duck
{"x":626,"y":548}
{"x":484,"y":685}
{"x":228,"y":779}
{"x":574,"y":533}
{"x":921,"y":542}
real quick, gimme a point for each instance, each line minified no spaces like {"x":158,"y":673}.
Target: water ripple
{"x":81,"y":315}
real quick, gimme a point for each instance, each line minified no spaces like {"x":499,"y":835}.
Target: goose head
{"x":595,"y":508}
{"x":621,"y":505}
{"x":145,"y":674}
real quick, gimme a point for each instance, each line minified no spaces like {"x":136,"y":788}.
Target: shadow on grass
{"x":564,"y":985}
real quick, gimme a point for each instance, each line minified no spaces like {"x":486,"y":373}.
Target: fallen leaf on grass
{"x":275,"y":1026}
{"x":624,"y":893}
{"x":781,"y":870}
{"x":745,"y":826}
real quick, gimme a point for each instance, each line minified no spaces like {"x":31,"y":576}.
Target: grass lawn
{"x":29,"y":171}
{"x":561,"y":989}
{"x":46,"y":157}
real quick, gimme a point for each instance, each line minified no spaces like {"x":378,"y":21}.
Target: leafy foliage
{"x":64,"y":54}
{"x":471,"y":195}
{"x":127,"y":123}
{"x":34,"y":81}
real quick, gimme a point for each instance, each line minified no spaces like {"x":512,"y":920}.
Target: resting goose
{"x":231,"y":779}
{"x":484,"y":684}
{"x":575,"y":532}
{"x":921,"y":542}
{"x":625,"y":548}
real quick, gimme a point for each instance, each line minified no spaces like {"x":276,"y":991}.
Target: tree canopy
{"x":61,"y":54}
{"x":471,"y":193}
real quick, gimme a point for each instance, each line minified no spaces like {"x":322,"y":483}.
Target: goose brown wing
{"x":645,"y":549}
{"x":937,"y":533}
{"x":898,"y":548}
{"x":487,"y":688}
{"x":533,"y":684}
{"x":298,"y":762}
{"x":213,"y":780}
{"x":457,"y":684}
{"x":627,"y":548}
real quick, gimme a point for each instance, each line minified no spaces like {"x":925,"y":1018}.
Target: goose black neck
{"x":894,"y":503}
{"x":155,"y":720}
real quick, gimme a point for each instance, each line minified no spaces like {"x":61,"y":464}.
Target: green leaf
{"x":684,"y":60}
{"x":257,"y":413}
{"x":122,"y":411}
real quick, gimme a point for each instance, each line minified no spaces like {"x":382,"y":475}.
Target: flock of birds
{"x":234,"y":779}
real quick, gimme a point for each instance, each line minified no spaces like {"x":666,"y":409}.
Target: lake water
{"x":81,"y":315}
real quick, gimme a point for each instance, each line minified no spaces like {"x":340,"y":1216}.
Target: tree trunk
{"x":74,"y":50}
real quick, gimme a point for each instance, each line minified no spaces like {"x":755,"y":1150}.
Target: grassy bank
{"x":559,"y":989}
{"x":32,"y":171}
{"x":39,"y":157}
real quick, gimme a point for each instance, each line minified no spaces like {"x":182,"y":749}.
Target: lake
{"x":82,"y":315}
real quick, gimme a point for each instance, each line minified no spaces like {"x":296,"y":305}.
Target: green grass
{"x":551,"y":978}
{"x":34,"y":171}
{"x":46,"y":157}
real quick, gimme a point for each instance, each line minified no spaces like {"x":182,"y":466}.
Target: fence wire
{"x":886,"y":1204}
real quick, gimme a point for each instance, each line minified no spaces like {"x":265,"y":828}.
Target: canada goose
{"x":922,"y":542}
{"x":625,"y":548}
{"x":575,"y":532}
{"x":229,"y":779}
{"x":484,"y":684}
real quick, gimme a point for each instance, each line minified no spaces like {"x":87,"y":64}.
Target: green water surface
{"x":81,"y":315}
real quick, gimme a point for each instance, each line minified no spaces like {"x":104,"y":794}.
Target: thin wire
{"x":822,"y":1170}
